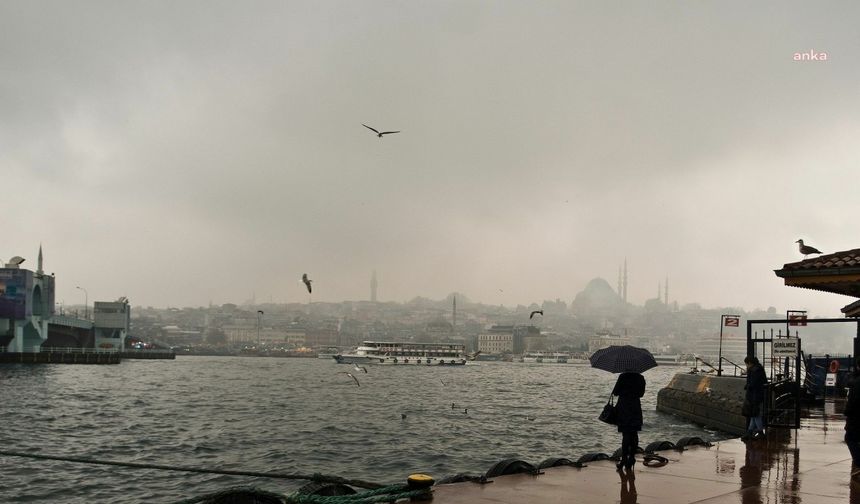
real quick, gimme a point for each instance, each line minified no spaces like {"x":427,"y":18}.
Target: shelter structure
{"x":838,"y":273}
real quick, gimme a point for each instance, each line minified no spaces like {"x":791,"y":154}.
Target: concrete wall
{"x":712,"y":401}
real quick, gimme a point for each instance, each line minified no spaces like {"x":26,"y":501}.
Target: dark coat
{"x":852,"y":405}
{"x":756,"y":380}
{"x":629,"y":388}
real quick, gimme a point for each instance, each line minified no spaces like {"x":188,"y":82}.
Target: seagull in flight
{"x":806,"y":249}
{"x":359,"y":368}
{"x":533,"y":313}
{"x":351,"y":376}
{"x":378,"y":133}
{"x":307,"y":281}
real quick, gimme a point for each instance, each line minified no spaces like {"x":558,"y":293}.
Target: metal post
{"x":86,"y":302}
{"x":259,"y":324}
{"x":720,"y":356}
{"x":722,"y":324}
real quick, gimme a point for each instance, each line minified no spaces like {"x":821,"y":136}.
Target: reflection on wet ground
{"x":810,"y":465}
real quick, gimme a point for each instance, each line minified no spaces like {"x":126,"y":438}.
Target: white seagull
{"x":351,"y":376}
{"x":806,"y":249}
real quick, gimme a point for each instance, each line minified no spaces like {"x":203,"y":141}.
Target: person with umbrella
{"x":630,"y":387}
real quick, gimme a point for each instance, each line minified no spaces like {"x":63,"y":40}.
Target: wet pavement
{"x":809,"y":465}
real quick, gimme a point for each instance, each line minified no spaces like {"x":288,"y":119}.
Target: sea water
{"x":290,"y":415}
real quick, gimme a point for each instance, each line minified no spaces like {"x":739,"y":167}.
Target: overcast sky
{"x":185,"y":152}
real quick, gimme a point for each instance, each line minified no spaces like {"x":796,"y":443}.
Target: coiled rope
{"x":322,"y":478}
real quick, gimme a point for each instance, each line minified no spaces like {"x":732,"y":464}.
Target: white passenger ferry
{"x":390,"y":352}
{"x":546,"y":357}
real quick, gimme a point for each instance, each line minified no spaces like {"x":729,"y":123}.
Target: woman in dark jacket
{"x":756,"y":381}
{"x":629,"y":388}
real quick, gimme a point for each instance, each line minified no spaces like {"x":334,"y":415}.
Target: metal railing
{"x":735,"y":367}
{"x":76,"y":350}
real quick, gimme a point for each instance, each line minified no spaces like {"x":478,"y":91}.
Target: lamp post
{"x":86,"y":302}
{"x":259,"y":324}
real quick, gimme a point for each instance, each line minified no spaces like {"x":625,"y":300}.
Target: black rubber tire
{"x":325,"y":489}
{"x":691,"y":441}
{"x":557,"y":462}
{"x":659,"y":445}
{"x":243,"y":496}
{"x":510,"y":466}
{"x":593,"y":456}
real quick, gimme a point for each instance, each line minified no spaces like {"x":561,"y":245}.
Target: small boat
{"x":328,"y":353}
{"x":405,"y":353}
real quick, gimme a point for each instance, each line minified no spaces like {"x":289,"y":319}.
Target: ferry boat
{"x":546,"y":358}
{"x":406,"y":353}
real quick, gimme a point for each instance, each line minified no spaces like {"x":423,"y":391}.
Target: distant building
{"x":603,"y":339}
{"x":111,"y":320}
{"x":496,"y":343}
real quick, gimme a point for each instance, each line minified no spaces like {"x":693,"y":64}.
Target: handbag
{"x":609,"y":413}
{"x":748,"y":409}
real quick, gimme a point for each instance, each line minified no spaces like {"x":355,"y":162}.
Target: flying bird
{"x":379,"y":134}
{"x":359,"y":368}
{"x":351,"y":376}
{"x":533,"y":313}
{"x":806,"y":249}
{"x":307,"y":281}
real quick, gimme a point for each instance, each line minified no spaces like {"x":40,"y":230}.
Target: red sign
{"x":797,"y":320}
{"x":732,"y":321}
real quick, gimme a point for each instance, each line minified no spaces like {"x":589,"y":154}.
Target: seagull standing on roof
{"x":379,"y":134}
{"x":806,"y":249}
{"x":307,"y":281}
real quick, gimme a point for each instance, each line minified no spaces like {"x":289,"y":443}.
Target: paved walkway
{"x":811,"y":465}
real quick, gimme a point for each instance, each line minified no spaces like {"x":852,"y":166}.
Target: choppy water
{"x":294,"y":415}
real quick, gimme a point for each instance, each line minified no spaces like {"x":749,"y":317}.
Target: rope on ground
{"x":391,"y":493}
{"x":322,"y":478}
{"x":653,"y":460}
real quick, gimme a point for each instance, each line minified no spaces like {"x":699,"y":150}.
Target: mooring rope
{"x":322,"y":478}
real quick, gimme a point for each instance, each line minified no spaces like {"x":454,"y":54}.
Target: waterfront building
{"x":111,"y":320}
{"x":496,"y":343}
{"x":603,"y":339}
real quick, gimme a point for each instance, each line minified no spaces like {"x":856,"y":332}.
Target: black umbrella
{"x":622,"y":359}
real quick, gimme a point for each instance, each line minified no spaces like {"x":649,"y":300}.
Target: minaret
{"x":624,"y":295}
{"x":666,"y":291}
{"x":39,"y":269}
{"x":454,"y":320}
{"x":659,"y":292}
{"x":619,"y":282}
{"x":373,"y":287}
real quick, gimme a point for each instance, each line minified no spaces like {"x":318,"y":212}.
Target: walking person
{"x":753,"y":406}
{"x":629,"y":388}
{"x":852,"y":419}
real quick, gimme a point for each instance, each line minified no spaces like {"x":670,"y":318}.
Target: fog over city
{"x":185,"y":152}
